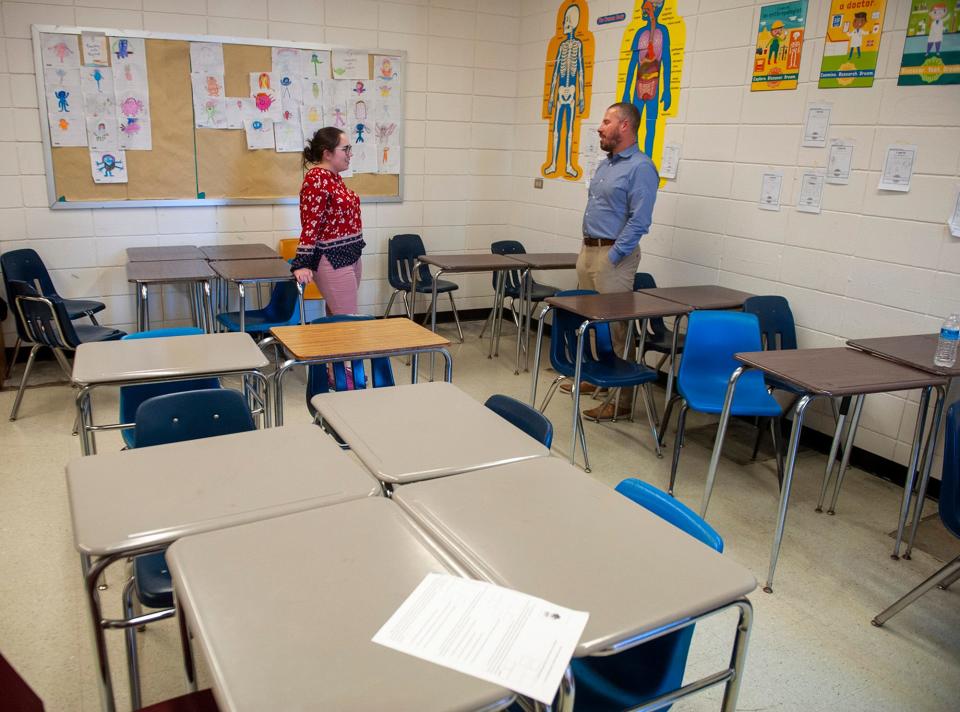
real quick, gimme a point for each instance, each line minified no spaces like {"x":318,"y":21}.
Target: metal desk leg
{"x":738,"y":656}
{"x":673,"y":366}
{"x":834,"y":446}
{"x":501,"y":292}
{"x":789,"y":466}
{"x":278,"y":389}
{"x":414,"y":367}
{"x":303,"y":312}
{"x":241,"y":293}
{"x":412,"y":307}
{"x":523,"y":333}
{"x":497,"y":315}
{"x":145,"y":307}
{"x":927,"y":467}
{"x":847,"y":449}
{"x":911,"y":470}
{"x":578,"y":363}
{"x":536,"y":358}
{"x":208,"y":306}
{"x":88,"y":445}
{"x":104,"y":680}
{"x":718,"y":443}
{"x":433,"y":313}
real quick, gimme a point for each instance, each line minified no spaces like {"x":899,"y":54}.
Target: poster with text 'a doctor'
{"x":852,"y":44}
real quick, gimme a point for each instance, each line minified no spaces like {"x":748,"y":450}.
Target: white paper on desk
{"x":811,"y":192}
{"x":502,"y":636}
{"x":770,"y":187}
{"x":816,"y":126}
{"x":954,"y":221}
{"x":839,"y":161}
{"x":898,"y":168}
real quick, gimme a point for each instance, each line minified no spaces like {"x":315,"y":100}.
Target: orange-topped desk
{"x":312,"y":344}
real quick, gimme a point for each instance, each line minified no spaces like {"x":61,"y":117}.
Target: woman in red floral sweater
{"x":331,"y":237}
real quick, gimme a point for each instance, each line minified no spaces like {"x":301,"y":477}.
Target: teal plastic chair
{"x":282,"y":310}
{"x":132,"y":396}
{"x":640,"y":674}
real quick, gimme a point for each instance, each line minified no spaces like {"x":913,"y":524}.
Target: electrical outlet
{"x":538,"y":183}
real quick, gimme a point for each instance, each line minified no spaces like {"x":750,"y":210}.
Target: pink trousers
{"x":339,"y":286}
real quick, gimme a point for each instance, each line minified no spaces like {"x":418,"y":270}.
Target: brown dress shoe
{"x":586,"y":389}
{"x":607,"y":412}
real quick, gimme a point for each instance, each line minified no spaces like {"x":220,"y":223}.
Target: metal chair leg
{"x":130,"y":637}
{"x":16,"y":352}
{"x":947,"y":573}
{"x":681,"y":423}
{"x":487,"y":323}
{"x":64,"y":363}
{"x":456,"y":316}
{"x":550,"y":391}
{"x":949,"y":581}
{"x":93,"y":319}
{"x":666,"y":417}
{"x":583,"y":444}
{"x":23,"y":380}
{"x":651,"y":414}
{"x":777,"y":447}
{"x":390,"y":302}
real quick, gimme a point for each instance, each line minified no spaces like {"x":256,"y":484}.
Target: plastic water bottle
{"x":946,"y":354}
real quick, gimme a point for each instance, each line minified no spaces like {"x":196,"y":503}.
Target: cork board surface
{"x":189,"y":163}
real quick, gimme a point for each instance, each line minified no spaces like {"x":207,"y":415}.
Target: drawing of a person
{"x":213,"y":86}
{"x":778,"y":32}
{"x":359,"y":88}
{"x":360,"y":128}
{"x":62,"y":97}
{"x":97,"y":77}
{"x":856,"y":34}
{"x":360,"y":110}
{"x":649,"y":61}
{"x":264,"y":81}
{"x":338,"y":120}
{"x":61,"y":50}
{"x":937,"y":14}
{"x":386,"y":69}
{"x":566,"y":90}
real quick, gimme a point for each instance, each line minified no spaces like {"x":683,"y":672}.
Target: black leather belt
{"x":598,"y":242}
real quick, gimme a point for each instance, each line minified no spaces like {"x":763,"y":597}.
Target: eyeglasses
{"x":348,"y":149}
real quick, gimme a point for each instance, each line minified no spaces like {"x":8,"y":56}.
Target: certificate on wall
{"x":839,"y":161}
{"x":816,"y":126}
{"x":852,"y":43}
{"x":670,"y":160}
{"x":770,"y":187}
{"x":898,"y":168}
{"x":811,"y":193}
{"x":954,"y":222}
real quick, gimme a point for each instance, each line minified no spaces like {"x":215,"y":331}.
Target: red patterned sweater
{"x":330,"y":222}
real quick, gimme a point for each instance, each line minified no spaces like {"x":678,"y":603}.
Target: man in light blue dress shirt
{"x":619,"y":212}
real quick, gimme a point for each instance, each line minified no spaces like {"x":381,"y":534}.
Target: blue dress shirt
{"x":620,"y":201}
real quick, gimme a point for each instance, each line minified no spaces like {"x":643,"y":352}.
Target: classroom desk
{"x":598,"y":309}
{"x":167,"y":252}
{"x":916,"y":351}
{"x":254,"y":251}
{"x":254,"y":271}
{"x":417,"y":432}
{"x":196,"y":273}
{"x":312,"y":344}
{"x":299,"y":636}
{"x":471,"y":262}
{"x":138,"y":501}
{"x":176,"y":358}
{"x":827,"y":373}
{"x":532,"y":261}
{"x":638,"y":576}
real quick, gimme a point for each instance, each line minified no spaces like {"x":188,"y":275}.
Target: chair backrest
{"x":777,"y":329}
{"x":529,"y":420}
{"x":402,"y":252}
{"x":132,"y":396}
{"x":318,"y":380}
{"x":26,"y":266}
{"x":671,"y":510}
{"x":563,"y":337}
{"x":190,"y":415}
{"x":287,"y":249}
{"x":645,"y":280}
{"x":950,"y":479}
{"x":284,"y":300}
{"x":713,"y":337}
{"x":45,"y":319}
{"x":508,"y":247}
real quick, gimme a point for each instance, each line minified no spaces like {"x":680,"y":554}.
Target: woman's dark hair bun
{"x":325,"y":139}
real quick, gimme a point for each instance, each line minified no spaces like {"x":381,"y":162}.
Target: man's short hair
{"x":629,"y":113}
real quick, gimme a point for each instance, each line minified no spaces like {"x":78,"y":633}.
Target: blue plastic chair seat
{"x":538,"y":292}
{"x":425,"y":286}
{"x":77,"y":308}
{"x":152,"y":580}
{"x":255,"y":321}
{"x":88,"y":332}
{"x":616,"y":373}
{"x":750,"y":397}
{"x":663,"y":343}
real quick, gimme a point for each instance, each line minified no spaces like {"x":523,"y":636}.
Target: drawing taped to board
{"x":59,"y":50}
{"x":388,"y":147}
{"x":108,"y":166}
{"x":259,"y":133}
{"x":336,"y":100}
{"x":100,"y":105}
{"x":311,"y":120}
{"x":135,"y":134}
{"x":288,"y":136}
{"x":206,"y":57}
{"x":209,"y":100}
{"x":265,"y":97}
{"x":239,"y":108}
{"x":285,"y":60}
{"x":65,"y":100}
{"x":67,"y":130}
{"x":350,"y":64}
{"x":127,"y":50}
{"x":102,"y":134}
{"x":95,"y":51}
{"x":315,"y":63}
{"x":96,"y":80}
{"x":131,"y":76}
{"x":134,"y":105}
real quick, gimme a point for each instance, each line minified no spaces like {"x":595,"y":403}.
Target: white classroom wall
{"x":871,"y":264}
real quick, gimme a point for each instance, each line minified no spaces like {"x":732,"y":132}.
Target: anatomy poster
{"x":650,"y":66}
{"x":776,"y":57}
{"x":852,"y":43}
{"x":931,"y":53}
{"x":567,"y":87}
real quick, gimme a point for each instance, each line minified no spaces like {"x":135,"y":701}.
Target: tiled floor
{"x":813,"y":647}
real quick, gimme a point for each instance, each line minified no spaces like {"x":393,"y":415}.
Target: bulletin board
{"x":189,"y":166}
